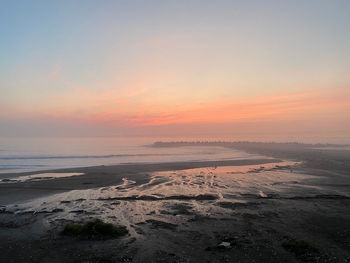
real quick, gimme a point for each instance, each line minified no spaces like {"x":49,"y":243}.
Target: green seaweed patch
{"x":94,"y":230}
{"x":301,"y":248}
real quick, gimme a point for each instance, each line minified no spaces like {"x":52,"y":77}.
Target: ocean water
{"x":32,"y":154}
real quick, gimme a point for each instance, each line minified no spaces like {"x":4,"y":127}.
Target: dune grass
{"x":302,"y":249}
{"x":96,"y":229}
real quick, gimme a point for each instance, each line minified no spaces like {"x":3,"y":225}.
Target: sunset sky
{"x":174,"y":67}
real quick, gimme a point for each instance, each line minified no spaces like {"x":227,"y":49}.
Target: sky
{"x":208,"y":68}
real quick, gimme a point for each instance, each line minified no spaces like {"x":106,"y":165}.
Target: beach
{"x":175,"y":131}
{"x":290,"y":205}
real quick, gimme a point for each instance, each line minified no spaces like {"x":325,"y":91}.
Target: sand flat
{"x":98,"y":176}
{"x":223,"y":211}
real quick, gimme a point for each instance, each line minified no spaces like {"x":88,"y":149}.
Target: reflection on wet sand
{"x":37,"y":177}
{"x":200,"y":192}
{"x":182,"y":214}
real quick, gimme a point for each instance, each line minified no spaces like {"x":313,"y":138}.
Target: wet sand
{"x":227,"y":211}
{"x":97,"y":176}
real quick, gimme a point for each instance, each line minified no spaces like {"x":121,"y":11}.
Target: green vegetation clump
{"x":94,"y":229}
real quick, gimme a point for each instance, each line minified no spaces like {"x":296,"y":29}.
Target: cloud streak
{"x":129,"y":108}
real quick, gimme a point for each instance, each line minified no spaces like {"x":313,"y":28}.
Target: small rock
{"x":224,"y":245}
{"x":125,"y":259}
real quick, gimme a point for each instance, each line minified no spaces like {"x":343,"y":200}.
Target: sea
{"x":35,"y":154}
{"x":19,"y":154}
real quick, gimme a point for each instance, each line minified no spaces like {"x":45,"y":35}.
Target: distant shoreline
{"x":331,"y":157}
{"x":239,"y":143}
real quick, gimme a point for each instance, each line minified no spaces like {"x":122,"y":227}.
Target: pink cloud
{"x":120,"y":108}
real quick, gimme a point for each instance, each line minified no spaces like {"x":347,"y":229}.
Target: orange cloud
{"x":128,"y":107}
{"x":280,"y":107}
